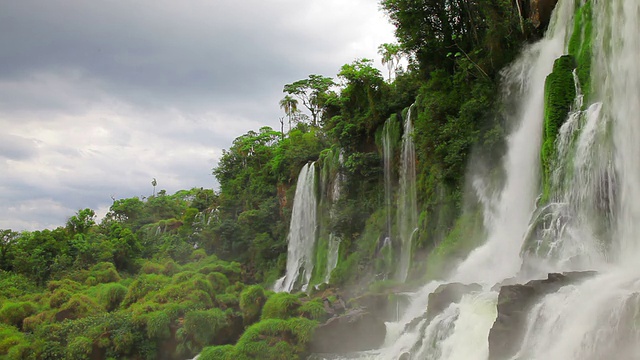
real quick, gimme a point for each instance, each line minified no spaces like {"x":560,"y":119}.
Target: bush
{"x":281,"y":306}
{"x":79,"y":348}
{"x":252,"y":299}
{"x":202,"y":326}
{"x":13,"y":313}
{"x":158,"y":325}
{"x":111,"y":295}
{"x":275,"y":339}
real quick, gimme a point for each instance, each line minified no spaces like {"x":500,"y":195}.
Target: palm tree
{"x":290,"y":107}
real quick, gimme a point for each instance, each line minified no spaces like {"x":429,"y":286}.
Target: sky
{"x":97,"y":98}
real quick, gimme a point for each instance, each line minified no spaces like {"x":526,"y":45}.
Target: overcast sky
{"x":99,"y":97}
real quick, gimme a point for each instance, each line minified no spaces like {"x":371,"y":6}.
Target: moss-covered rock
{"x":580,"y":46}
{"x":252,"y":299}
{"x":13,"y":313}
{"x":559,"y":94}
{"x":281,"y":306}
{"x":275,"y":339}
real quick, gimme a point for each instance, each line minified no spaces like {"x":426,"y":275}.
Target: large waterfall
{"x":590,"y":219}
{"x":302,"y":233}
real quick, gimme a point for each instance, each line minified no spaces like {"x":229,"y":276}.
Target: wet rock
{"x":356,"y":330}
{"x":514,"y":303}
{"x":446,"y":295}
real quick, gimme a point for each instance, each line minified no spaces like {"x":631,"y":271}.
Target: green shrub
{"x":79,"y":348}
{"x":218,"y":281}
{"x":142,"y":286}
{"x":281,"y":306}
{"x":275,"y":339}
{"x":59,"y":297}
{"x":13,"y":313}
{"x":104,"y":272}
{"x":111,"y":295}
{"x":201,"y":326}
{"x":223,"y":352}
{"x":158,"y":325}
{"x":79,"y":306}
{"x":252,"y":299}
{"x":313,"y":309}
{"x":225,"y":301}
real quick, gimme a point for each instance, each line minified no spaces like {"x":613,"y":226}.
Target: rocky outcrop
{"x":356,"y":330}
{"x":446,"y":295}
{"x":514,"y":303}
{"x":537,"y":11}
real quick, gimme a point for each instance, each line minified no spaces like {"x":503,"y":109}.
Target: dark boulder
{"x":514,"y":303}
{"x":356,"y":330}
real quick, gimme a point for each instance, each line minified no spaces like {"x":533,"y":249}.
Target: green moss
{"x":142,"y":286}
{"x":111,"y":295}
{"x":580,"y":46}
{"x":313,"y":310}
{"x":13,"y":313}
{"x":158,"y":325}
{"x":79,"y":348}
{"x":218,"y":282}
{"x":559,"y":94}
{"x":275,"y":339}
{"x":59,"y":297}
{"x":223,"y":352}
{"x":79,"y":306}
{"x":202,"y":326}
{"x":281,"y":306}
{"x":252,"y":299}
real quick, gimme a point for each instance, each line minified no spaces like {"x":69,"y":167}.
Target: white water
{"x":302,"y":234}
{"x":499,"y":257}
{"x":461,"y":331}
{"x":387,"y":150}
{"x":407,"y":198}
{"x":334,"y":240}
{"x":598,"y":318}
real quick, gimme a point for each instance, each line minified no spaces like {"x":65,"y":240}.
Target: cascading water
{"x":460,"y":332}
{"x":302,"y":233}
{"x":499,"y":257}
{"x":387,"y":149}
{"x":597,"y":319}
{"x":334,"y":240}
{"x":407,"y":198}
{"x":591,"y":220}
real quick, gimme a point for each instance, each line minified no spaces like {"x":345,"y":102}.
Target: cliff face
{"x":538,"y":11}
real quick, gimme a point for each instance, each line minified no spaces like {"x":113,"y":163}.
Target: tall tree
{"x":290,"y":107}
{"x":391,"y":55}
{"x":313,"y":92}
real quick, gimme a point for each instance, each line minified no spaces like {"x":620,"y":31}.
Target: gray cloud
{"x":99,"y":97}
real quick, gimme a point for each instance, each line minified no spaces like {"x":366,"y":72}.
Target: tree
{"x":81,"y":222}
{"x":313,"y":92}
{"x":391,"y":56}
{"x":290,"y":107}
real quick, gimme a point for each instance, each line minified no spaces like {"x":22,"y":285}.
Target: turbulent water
{"x":591,"y":222}
{"x":302,"y":233}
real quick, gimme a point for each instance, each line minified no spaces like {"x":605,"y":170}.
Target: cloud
{"x":99,"y":97}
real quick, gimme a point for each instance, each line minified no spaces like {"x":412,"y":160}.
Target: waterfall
{"x":597,"y":318}
{"x":407,"y":198}
{"x":302,"y":234}
{"x":387,"y":150}
{"x":334,"y":240}
{"x":457,"y":331}
{"x":591,"y":219}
